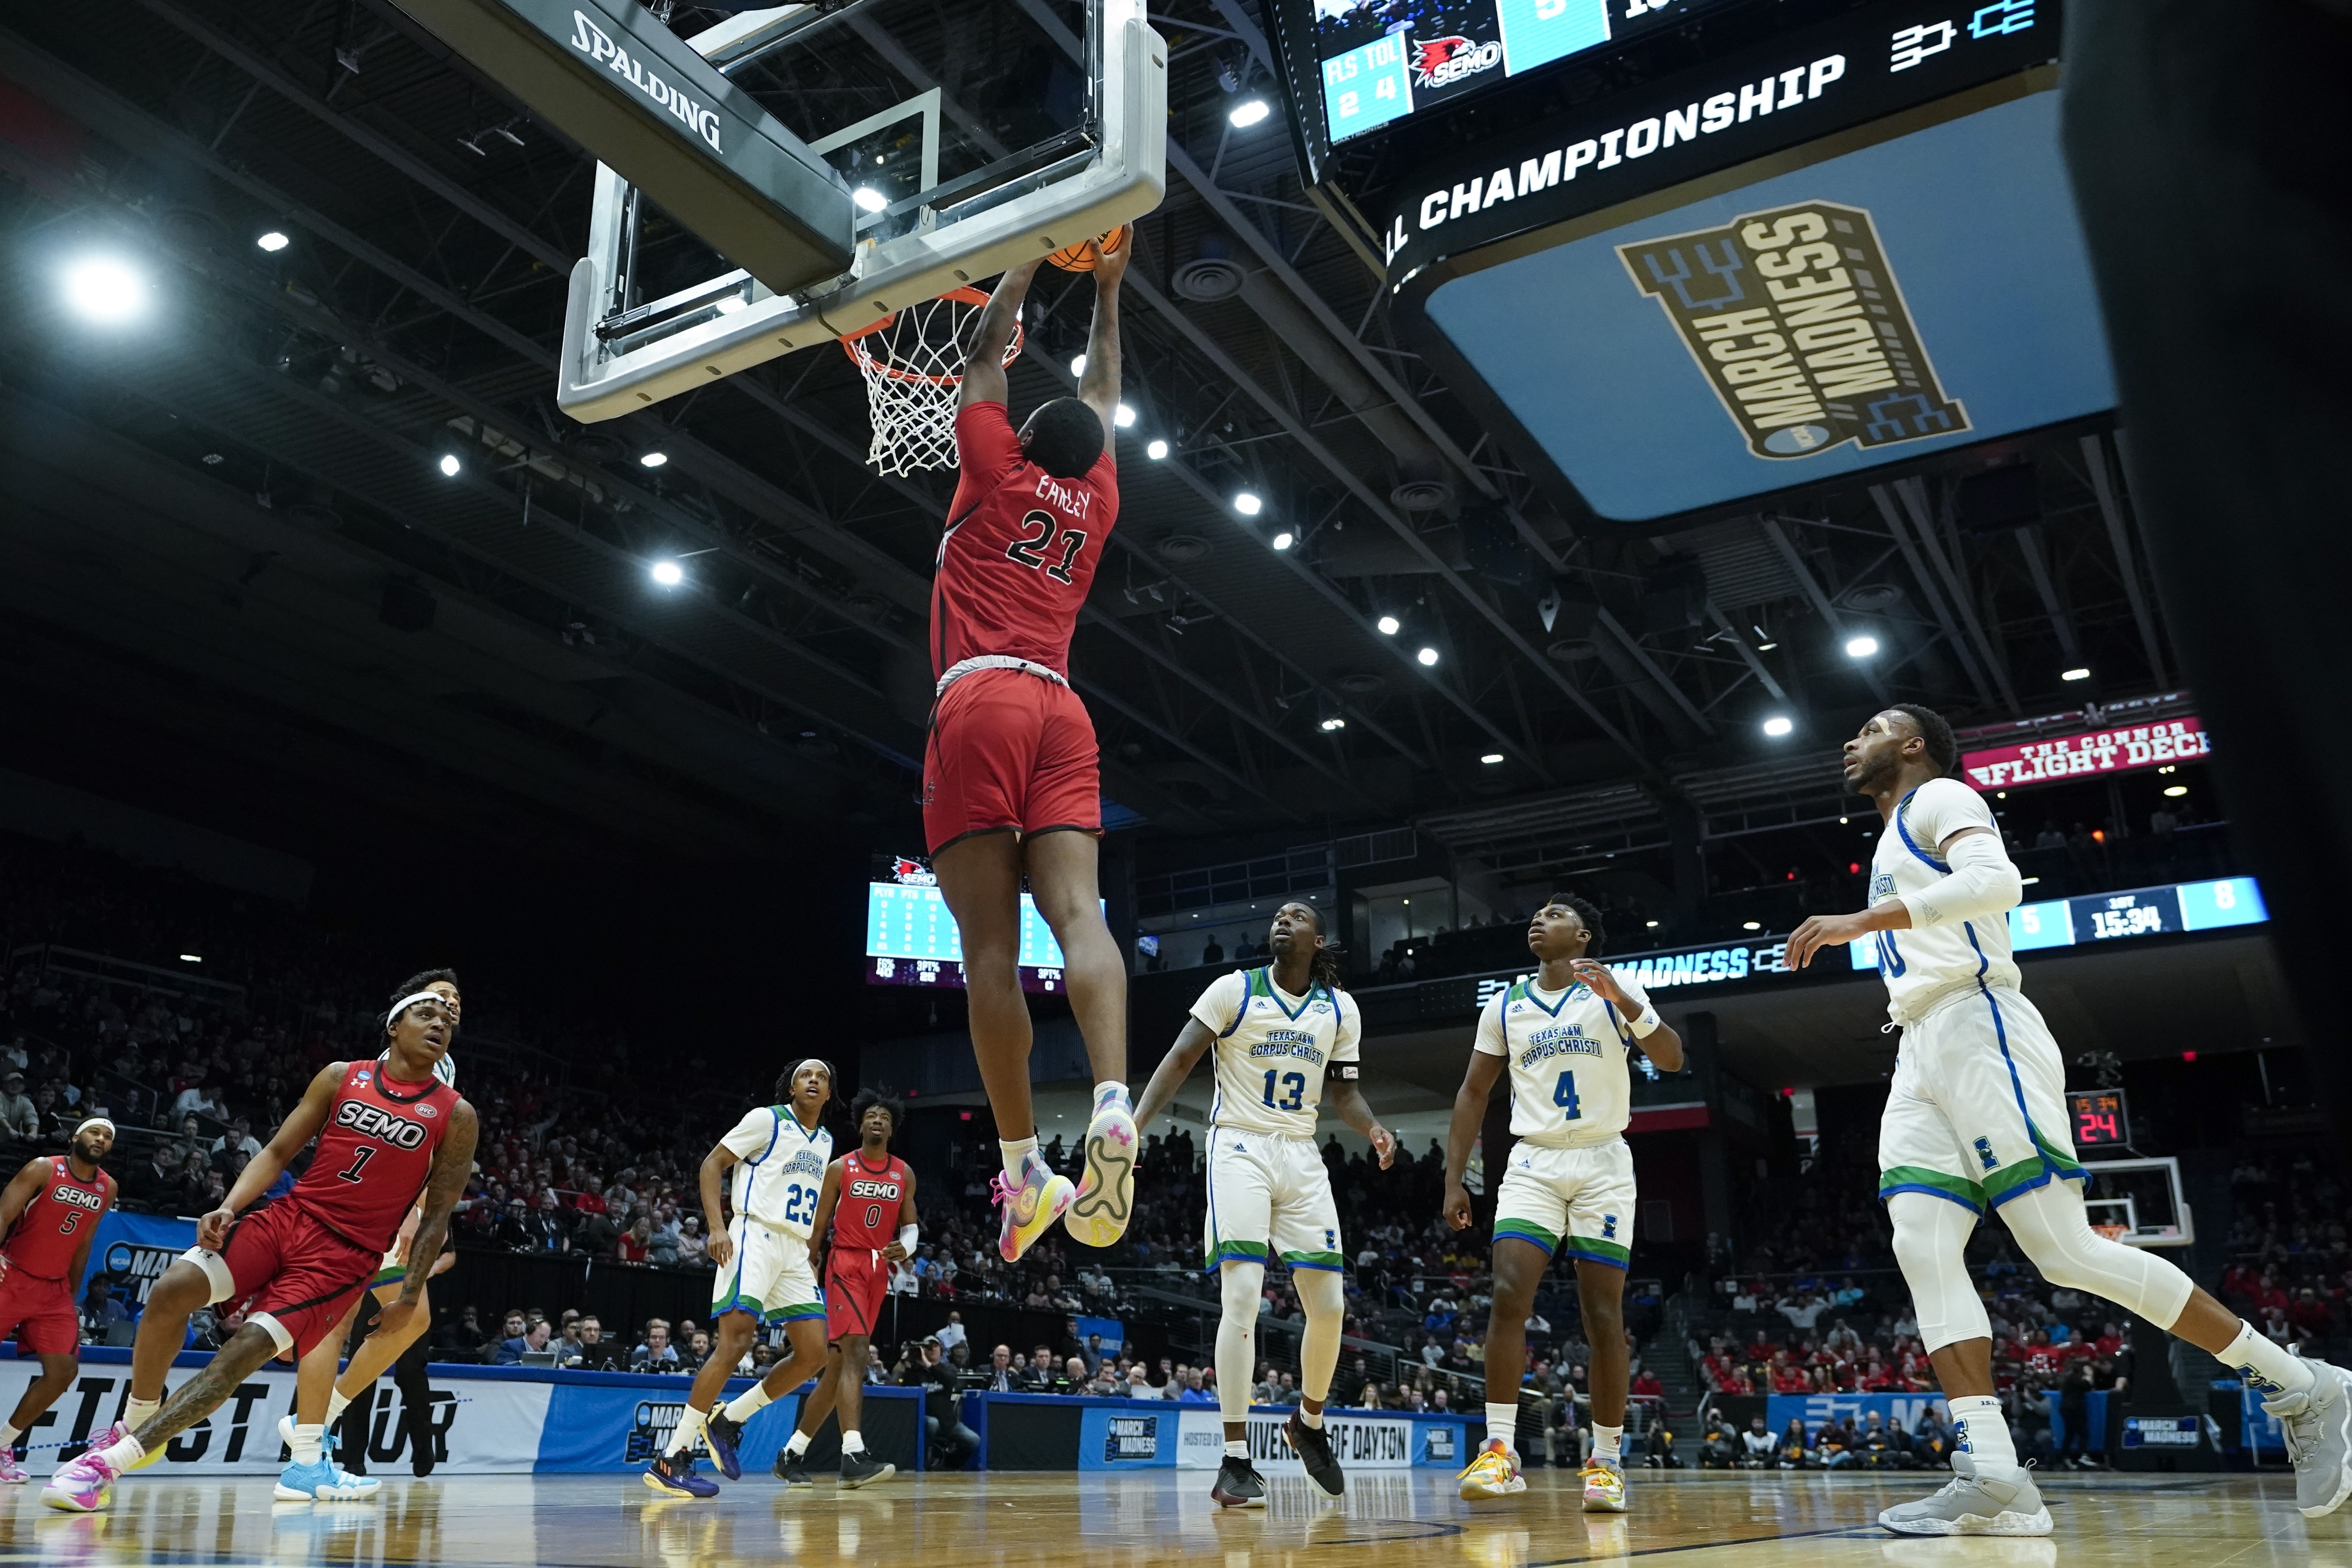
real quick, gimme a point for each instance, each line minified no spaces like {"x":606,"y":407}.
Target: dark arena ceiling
{"x":230,"y":557}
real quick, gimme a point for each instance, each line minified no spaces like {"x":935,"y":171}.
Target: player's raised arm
{"x":452,"y":1163}
{"x":1173,"y":1069}
{"x":1660,"y":1043}
{"x":983,"y":371}
{"x":1098,"y":387}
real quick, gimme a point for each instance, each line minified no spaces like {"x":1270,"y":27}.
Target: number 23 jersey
{"x":780,"y":1169}
{"x":1570,"y":1085}
{"x":1273,"y":1049}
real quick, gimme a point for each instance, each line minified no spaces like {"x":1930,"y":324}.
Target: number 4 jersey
{"x":1570,"y":1087}
{"x":1273,"y":1050}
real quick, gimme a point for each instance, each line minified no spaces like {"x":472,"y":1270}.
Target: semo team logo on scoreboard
{"x":1794,"y":317}
{"x":1441,"y":62}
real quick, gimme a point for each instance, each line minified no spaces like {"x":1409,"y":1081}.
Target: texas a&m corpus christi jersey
{"x":865,"y":1212}
{"x":1921,"y":966}
{"x":1570,"y":1087}
{"x":780,"y":1171}
{"x":1273,"y":1050}
{"x":56,"y":1221}
{"x":1020,"y":550}
{"x":375,"y":1154}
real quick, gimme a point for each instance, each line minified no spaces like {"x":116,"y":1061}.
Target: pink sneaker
{"x":1030,"y":1208}
{"x":82,"y":1486}
{"x":10,"y":1470}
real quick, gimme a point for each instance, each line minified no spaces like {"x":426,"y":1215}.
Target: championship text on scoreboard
{"x":2115,"y":750}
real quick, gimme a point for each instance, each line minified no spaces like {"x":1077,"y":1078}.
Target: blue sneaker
{"x":725,"y":1437}
{"x":673,"y":1475}
{"x":325,"y":1481}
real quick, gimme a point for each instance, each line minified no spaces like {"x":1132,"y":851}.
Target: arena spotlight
{"x":1248,"y":503}
{"x":2077,"y":673}
{"x":1861,"y":647}
{"x":1390,"y":626}
{"x":1156,"y":450}
{"x":1427,"y":655}
{"x":1283,"y":540}
{"x":869,"y":199}
{"x":654,"y":460}
{"x":667,"y":573}
{"x":1077,"y":365}
{"x":1751,"y":925}
{"x":273,"y":241}
{"x":450,"y":465}
{"x":192,"y":958}
{"x":1334,"y":723}
{"x":1492,"y":759}
{"x":1123,"y":418}
{"x":2176,"y":791}
{"x":1248,"y":112}
{"x":1777,"y":725}
{"x":106,"y":289}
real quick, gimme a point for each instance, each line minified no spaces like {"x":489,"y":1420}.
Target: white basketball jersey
{"x":1920,"y":967}
{"x":780,"y":1171}
{"x":1571,"y":1086}
{"x":1273,"y":1050}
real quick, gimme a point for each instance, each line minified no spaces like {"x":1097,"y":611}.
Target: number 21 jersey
{"x":1273,"y":1050}
{"x":1570,"y":1087}
{"x":1020,"y":550}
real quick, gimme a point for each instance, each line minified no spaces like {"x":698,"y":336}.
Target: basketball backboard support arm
{"x":619,"y":356}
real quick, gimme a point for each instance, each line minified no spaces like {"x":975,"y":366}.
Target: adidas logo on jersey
{"x":374,"y":1121}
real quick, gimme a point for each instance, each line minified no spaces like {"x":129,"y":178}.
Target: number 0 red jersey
{"x":1020,"y":550}
{"x":375,"y":1153}
{"x":62,"y":1214}
{"x":866,"y":1215}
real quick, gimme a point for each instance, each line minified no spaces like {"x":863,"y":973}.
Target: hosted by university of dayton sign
{"x":2119,"y":750}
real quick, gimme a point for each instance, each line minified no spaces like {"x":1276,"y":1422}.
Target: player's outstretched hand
{"x":1111,"y":267}
{"x":1819,"y":931}
{"x":721,"y":1249}
{"x":1601,"y":981}
{"x":1384,"y":1145}
{"x":1457,"y":1205}
{"x":213,"y":1229}
{"x":394,"y":1317}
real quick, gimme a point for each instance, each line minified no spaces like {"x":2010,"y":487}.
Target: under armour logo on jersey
{"x":1984,"y":1153}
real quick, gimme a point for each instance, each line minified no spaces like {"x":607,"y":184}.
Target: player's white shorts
{"x":1976,"y":1112}
{"x":1269,"y":1194}
{"x":769,"y":1276}
{"x":1578,"y":1203}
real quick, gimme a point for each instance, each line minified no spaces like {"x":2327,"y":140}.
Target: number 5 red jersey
{"x":866,"y":1215}
{"x":66,"y":1210}
{"x":375,"y":1154}
{"x":1020,"y":550}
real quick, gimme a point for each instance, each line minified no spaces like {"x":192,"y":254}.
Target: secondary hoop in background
{"x":913,"y":363}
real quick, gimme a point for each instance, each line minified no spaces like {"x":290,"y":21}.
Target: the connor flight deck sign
{"x":1794,"y":317}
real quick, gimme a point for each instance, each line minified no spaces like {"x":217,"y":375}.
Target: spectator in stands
{"x":656,"y":1354}
{"x":1758,"y":1448}
{"x":952,"y":1335}
{"x":1837,"y":1445}
{"x":1039,"y":1376}
{"x":696,"y":1352}
{"x":197,"y":1100}
{"x":237,"y":1144}
{"x":101,"y":1310}
{"x":1139,"y":1382}
{"x":548,"y":1226}
{"x":635,"y":1245}
{"x":19,"y":1117}
{"x":594,"y":1233}
{"x":1645,"y":1385}
{"x":1004,"y":1378}
{"x":1795,"y":1451}
{"x":1196,"y":1391}
{"x":1719,"y":1449}
{"x":693,"y":1246}
{"x":531,"y":1341}
{"x":1213,"y":951}
{"x":592,"y":1352}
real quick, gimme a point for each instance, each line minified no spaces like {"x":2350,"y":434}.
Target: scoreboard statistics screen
{"x":2115,"y":917}
{"x":912,"y":939}
{"x":1376,"y":62}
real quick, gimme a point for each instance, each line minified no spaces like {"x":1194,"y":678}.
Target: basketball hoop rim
{"x":853,"y":344}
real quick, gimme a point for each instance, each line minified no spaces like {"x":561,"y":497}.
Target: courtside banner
{"x":2123,"y":749}
{"x":1902,"y":1410}
{"x":1361,"y":1442}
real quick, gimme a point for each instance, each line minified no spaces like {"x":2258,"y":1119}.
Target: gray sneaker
{"x":1981,"y":1498}
{"x":2318,"y":1427}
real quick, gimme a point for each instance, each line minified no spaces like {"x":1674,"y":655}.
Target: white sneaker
{"x":1982,"y":1499}
{"x":1106,"y":1197}
{"x":2318,"y":1427}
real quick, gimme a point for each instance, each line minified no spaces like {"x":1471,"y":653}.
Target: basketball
{"x":1078,"y":257}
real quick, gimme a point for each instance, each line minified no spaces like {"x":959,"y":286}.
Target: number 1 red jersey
{"x":866,"y":1215}
{"x":1020,"y":550}
{"x":67,"y":1208}
{"x":375,"y":1154}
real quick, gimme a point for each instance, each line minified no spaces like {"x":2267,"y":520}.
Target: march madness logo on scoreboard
{"x":1794,"y":317}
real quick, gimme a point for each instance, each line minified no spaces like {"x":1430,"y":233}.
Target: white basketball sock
{"x":1984,"y":1431}
{"x":748,"y":1403}
{"x":853,"y":1442}
{"x":1014,"y":1151}
{"x":8,"y":1436}
{"x":307,"y":1443}
{"x":2266,"y":1365}
{"x":336,"y":1403}
{"x":1609,"y":1442}
{"x":1236,"y":1449}
{"x":125,"y":1454}
{"x":688,"y":1428}
{"x":797,"y":1443}
{"x":138,"y":1412}
{"x":1503,"y":1421}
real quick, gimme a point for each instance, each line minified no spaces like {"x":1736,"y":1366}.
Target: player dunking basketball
{"x":50,"y":1212}
{"x":387,"y":1132}
{"x":1010,"y":782}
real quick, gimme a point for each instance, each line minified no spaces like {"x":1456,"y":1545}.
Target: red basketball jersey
{"x":66,"y":1210}
{"x":1020,"y":550}
{"x":867,"y":1213}
{"x":375,"y":1154}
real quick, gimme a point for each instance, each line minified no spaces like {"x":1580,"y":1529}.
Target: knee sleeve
{"x":2053,"y":1230}
{"x":1931,"y":1238}
{"x":1242,"y":1284}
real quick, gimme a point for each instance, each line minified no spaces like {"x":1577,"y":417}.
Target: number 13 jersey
{"x":1020,"y":550}
{"x":1273,"y":1050}
{"x":1571,"y":1086}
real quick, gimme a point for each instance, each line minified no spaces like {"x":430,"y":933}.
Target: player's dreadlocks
{"x":1324,"y":969}
{"x":1943,"y":751}
{"x":1591,"y":915}
{"x":868,"y":1099}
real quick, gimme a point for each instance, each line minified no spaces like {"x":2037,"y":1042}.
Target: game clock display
{"x":2099,"y":1117}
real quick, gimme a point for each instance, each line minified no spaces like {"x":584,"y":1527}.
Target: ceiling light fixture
{"x":1861,"y":647}
{"x":1492,"y":758}
{"x":1779,"y":725}
{"x":1283,"y":540}
{"x":667,"y":573}
{"x":1077,"y":365}
{"x":1123,"y":418}
{"x":106,"y":290}
{"x":1427,"y":655}
{"x":869,"y":199}
{"x":1751,"y":925}
{"x":2176,"y":791}
{"x":1248,"y":503}
{"x":1390,"y":626}
{"x":273,"y":241}
{"x":654,"y":460}
{"x":1156,"y":450}
{"x":1334,"y":723}
{"x":1248,"y":113}
{"x":2079,"y":672}
{"x":450,"y":465}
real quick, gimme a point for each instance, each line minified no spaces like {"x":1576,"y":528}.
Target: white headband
{"x":406,"y":1002}
{"x":93,"y":1121}
{"x":814,"y":1061}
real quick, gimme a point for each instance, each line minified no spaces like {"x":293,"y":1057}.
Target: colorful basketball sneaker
{"x":11,"y":1472}
{"x":81,"y":1487}
{"x":673,"y":1475}
{"x":1494,"y":1473}
{"x":1106,"y":1186}
{"x":115,"y":1434}
{"x":1982,"y":1499}
{"x":1032,"y":1206}
{"x":325,"y":1481}
{"x":1604,"y":1486}
{"x":725,"y":1437}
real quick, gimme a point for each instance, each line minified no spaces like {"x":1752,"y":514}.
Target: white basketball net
{"x":913,"y":365}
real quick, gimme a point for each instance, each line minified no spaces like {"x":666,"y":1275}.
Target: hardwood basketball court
{"x":1399,"y":1521}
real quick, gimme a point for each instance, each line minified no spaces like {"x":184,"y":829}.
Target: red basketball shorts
{"x":288,"y":1272}
{"x":39,"y":1314}
{"x":855,"y":1280}
{"x":1009,"y":750}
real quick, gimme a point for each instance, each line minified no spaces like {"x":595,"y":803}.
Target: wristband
{"x":906,"y":1237}
{"x":1647,"y":1021}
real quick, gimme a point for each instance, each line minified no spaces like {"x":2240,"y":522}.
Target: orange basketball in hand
{"x":1080,"y":258}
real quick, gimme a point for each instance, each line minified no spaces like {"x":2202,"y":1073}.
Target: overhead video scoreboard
{"x":2118,"y":917}
{"x":912,"y":939}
